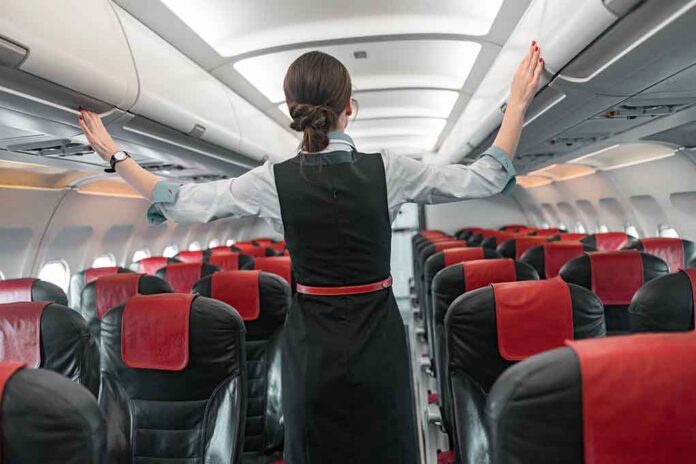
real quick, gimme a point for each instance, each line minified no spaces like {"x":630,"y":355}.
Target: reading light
{"x":528,"y":182}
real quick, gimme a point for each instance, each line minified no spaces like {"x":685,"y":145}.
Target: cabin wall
{"x":489,"y":213}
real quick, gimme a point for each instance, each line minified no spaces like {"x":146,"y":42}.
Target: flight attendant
{"x":345,"y":376}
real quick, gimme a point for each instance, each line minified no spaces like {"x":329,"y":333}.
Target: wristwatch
{"x":115,"y":159}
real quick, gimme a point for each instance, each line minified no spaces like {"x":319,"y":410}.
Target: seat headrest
{"x":431,"y":233}
{"x":515,"y":247}
{"x":532,"y":317}
{"x":225,"y":260}
{"x":239,"y":289}
{"x":20,"y":326}
{"x":94,"y":273}
{"x":278,"y":247}
{"x":30,"y":289}
{"x":480,"y":273}
{"x":607,"y":241}
{"x":155,"y":331}
{"x":517,"y":228}
{"x":263,"y":242}
{"x":496,"y":238}
{"x":79,"y":280}
{"x":182,"y":276}
{"x":278,"y":265}
{"x":249,"y":249}
{"x":549,"y":257}
{"x":571,"y":237}
{"x":548,"y":232}
{"x":190,"y":256}
{"x":153,"y":264}
{"x":113,"y":290}
{"x":665,"y":304}
{"x":446,"y":244}
{"x":675,"y":251}
{"x":7,"y":370}
{"x":459,"y":255}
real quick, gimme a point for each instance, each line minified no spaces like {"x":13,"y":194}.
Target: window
{"x":170,"y":251}
{"x":107,"y":260}
{"x":2,"y":276}
{"x":230,"y":242}
{"x":195,"y":246}
{"x":141,"y":254}
{"x":631,"y":230}
{"x":579,"y":228}
{"x":562,"y":226}
{"x":214,"y":243}
{"x":545,"y":225}
{"x":56,"y":272}
{"x":664,"y":230}
{"x":603,"y":228}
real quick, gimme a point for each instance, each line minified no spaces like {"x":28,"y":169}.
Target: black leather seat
{"x":477,"y":238}
{"x":31,"y":289}
{"x":449,"y":284}
{"x":80,"y":279}
{"x":514,"y":248}
{"x":51,"y":336}
{"x":182,"y":276}
{"x":278,"y":265}
{"x":618,"y":400}
{"x":547,"y":232}
{"x":263,"y":300}
{"x":614,"y":276}
{"x":173,"y":380}
{"x":465,"y":232}
{"x":608,"y":241}
{"x":107,"y":292}
{"x":676,"y":252}
{"x":153,"y":264}
{"x":481,"y":345}
{"x":229,"y":260}
{"x":568,"y":237}
{"x":497,"y":238}
{"x":248,"y":248}
{"x":48,"y":419}
{"x":548,"y":258}
{"x":665,"y":304}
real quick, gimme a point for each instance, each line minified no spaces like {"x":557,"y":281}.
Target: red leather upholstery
{"x":571,"y":237}
{"x":484,"y":272}
{"x":611,"y":241}
{"x":239,"y":289}
{"x":532,"y":317}
{"x":445,"y":244}
{"x":431,"y":233}
{"x":20,"y":327}
{"x":16,"y":290}
{"x":556,"y":254}
{"x":94,"y":273}
{"x":279,"y":246}
{"x":114,"y":290}
{"x":155,"y":332}
{"x":190,"y":256}
{"x":669,"y":249}
{"x":152,"y":265}
{"x":278,"y":265}
{"x":548,"y":232}
{"x":459,"y":255}
{"x":523,"y":244}
{"x":263,"y":242}
{"x":225,"y":260}
{"x":616,"y":276}
{"x":182,"y":276}
{"x":249,"y":249}
{"x":637,"y":403}
{"x":517,"y":228}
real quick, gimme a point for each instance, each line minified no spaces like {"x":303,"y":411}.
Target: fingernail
{"x":536,"y":49}
{"x":533,"y":43}
{"x":541,"y":60}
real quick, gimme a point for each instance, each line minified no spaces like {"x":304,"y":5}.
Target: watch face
{"x":120,"y":156}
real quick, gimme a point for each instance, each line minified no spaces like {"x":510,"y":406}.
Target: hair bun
{"x":317,"y":117}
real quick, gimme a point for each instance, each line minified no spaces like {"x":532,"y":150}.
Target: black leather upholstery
{"x":449,"y":284}
{"x":48,"y":419}
{"x":535,"y":258}
{"x":166,"y":274}
{"x":665,"y":304}
{"x":689,"y":250}
{"x":78,"y":282}
{"x":474,"y":362}
{"x":578,"y":271}
{"x":591,"y":241}
{"x":263,"y":439}
{"x":191,"y":416}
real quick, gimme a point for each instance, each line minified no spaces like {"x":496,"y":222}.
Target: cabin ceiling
{"x":414,"y":63}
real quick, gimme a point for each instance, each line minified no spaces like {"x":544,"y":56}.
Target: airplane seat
{"x":278,"y":247}
{"x":278,"y":265}
{"x":191,"y":256}
{"x":616,"y":400}
{"x":46,"y":418}
{"x":153,"y":264}
{"x":450,"y":283}
{"x":263,"y":242}
{"x":465,"y":232}
{"x":515,"y":247}
{"x":516,"y":228}
{"x":107,"y":292}
{"x":496,"y":238}
{"x":418,"y":243}
{"x":478,"y":237}
{"x":182,"y":276}
{"x":489,"y":329}
{"x":568,"y":237}
{"x":229,"y":260}
{"x":609,"y":241}
{"x":675,"y":251}
{"x":50,"y":336}
{"x":425,"y":252}
{"x":250,"y":249}
{"x":548,"y":232}
{"x":82,"y":278}
{"x":173,"y":380}
{"x":665,"y":304}
{"x":614,"y":276}
{"x":263,"y":300}
{"x":549,"y":257}
{"x":31,"y":289}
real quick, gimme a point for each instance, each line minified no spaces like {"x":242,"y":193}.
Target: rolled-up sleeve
{"x":252,"y":194}
{"x":410,"y":180}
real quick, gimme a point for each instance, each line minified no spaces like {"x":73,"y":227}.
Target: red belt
{"x":348,"y":290}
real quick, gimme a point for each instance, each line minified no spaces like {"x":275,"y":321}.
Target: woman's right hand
{"x":526,"y":80}
{"x":97,"y":135}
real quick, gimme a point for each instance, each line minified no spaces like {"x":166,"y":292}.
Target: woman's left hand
{"x":97,"y":135}
{"x":524,"y":84}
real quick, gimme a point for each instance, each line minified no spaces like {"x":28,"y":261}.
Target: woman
{"x":346,"y":385}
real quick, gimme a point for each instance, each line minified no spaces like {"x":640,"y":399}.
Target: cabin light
{"x":528,"y":182}
{"x":562,"y":172}
{"x":624,"y":155}
{"x":406,"y":145}
{"x":360,"y":54}
{"x":396,"y":127}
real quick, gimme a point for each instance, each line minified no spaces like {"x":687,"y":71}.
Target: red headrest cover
{"x":182,"y":276}
{"x":215,"y":249}
{"x":20,"y":330}
{"x":94,"y":273}
{"x":616,"y":275}
{"x":225,"y":260}
{"x":532,"y":316}
{"x":152,"y":265}
{"x":280,"y":246}
{"x":459,"y":255}
{"x":155,"y":332}
{"x":610,"y":241}
{"x":190,"y":256}
{"x":548,"y":232}
{"x":669,"y":249}
{"x":114,"y":290}
{"x":264,"y":242}
{"x":516,"y":227}
{"x":16,"y":290}
{"x":239,"y":289}
{"x":278,"y":265}
{"x":484,"y":272}
{"x":500,"y":237}
{"x":432,"y":233}
{"x":572,"y":237}
{"x":250,"y":249}
{"x":7,"y":370}
{"x":637,"y":402}
{"x":523,"y":244}
{"x":556,"y":254}
{"x":691,"y":274}
{"x":445,"y":244}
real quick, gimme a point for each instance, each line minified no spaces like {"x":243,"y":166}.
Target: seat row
{"x":183,"y":376}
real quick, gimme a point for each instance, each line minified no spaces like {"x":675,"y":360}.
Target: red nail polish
{"x":536,"y":49}
{"x":541,"y":60}
{"x":533,"y":43}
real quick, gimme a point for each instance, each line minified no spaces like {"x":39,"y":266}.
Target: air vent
{"x":633,"y":112}
{"x":159,"y":167}
{"x":360,"y":54}
{"x":574,"y":141}
{"x":204,"y":177}
{"x":52,"y":148}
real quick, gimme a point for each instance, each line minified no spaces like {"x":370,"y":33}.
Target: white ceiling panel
{"x":443,"y":64}
{"x":428,"y":103}
{"x":233,"y":27}
{"x":396,"y":127}
{"x":407,"y":145}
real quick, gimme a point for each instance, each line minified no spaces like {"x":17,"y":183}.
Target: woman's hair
{"x":317,"y":89}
